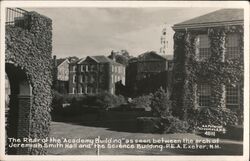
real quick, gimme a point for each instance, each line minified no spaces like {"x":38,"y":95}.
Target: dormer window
{"x":202,"y":47}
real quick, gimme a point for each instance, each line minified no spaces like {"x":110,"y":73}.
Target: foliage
{"x":107,"y":100}
{"x":79,"y":104}
{"x":160,"y":103}
{"x":216,"y":116}
{"x":165,"y":125}
{"x":148,"y":124}
{"x":30,"y":49}
{"x":172,"y":124}
{"x":121,"y":57}
{"x":216,"y":70}
{"x":143,"y":102}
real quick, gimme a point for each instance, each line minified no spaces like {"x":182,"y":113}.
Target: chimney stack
{"x":54,"y":61}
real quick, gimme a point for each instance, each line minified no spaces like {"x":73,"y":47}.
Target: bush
{"x":148,"y":124}
{"x":126,"y":107}
{"x":216,"y":116}
{"x":160,"y":103}
{"x":142,"y":102}
{"x":84,"y":103}
{"x":164,"y":125}
{"x":172,"y":124}
{"x":107,"y":100}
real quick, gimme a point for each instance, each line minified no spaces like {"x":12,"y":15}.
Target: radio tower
{"x":164,"y":42}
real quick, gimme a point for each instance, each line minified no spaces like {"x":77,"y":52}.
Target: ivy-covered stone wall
{"x":30,"y":50}
{"x":218,"y":71}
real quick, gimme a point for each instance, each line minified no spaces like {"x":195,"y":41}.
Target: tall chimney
{"x":54,"y":61}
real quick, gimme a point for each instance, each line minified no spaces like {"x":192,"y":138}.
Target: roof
{"x":103,"y":59}
{"x":81,"y":60}
{"x":217,"y":18}
{"x":168,"y":57}
{"x":60,"y":61}
{"x":74,"y":61}
{"x":149,"y":56}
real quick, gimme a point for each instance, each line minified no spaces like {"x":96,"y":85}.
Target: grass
{"x":69,"y":130}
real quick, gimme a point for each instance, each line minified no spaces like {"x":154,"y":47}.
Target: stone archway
{"x":28,"y":63}
{"x":19,"y":106}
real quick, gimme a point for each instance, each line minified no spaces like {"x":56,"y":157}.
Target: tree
{"x":160,"y":103}
{"x":121,"y":57}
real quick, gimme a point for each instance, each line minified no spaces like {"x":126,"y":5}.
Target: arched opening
{"x":18,"y":94}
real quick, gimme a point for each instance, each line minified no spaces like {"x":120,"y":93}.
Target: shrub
{"x":164,"y":125}
{"x":142,"y":102}
{"x":216,"y":116}
{"x":148,"y":124}
{"x":107,"y":100}
{"x":160,"y":103}
{"x":172,"y":124}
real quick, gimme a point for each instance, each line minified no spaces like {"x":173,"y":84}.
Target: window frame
{"x":199,"y":47}
{"x":201,"y":97}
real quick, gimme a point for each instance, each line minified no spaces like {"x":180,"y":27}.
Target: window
{"x":87,"y":68}
{"x":82,"y":68}
{"x":73,"y":90}
{"x":232,"y":95}
{"x":81,"y":79}
{"x":93,"y":67}
{"x":80,"y":90}
{"x":74,"y":68}
{"x":203,"y":47}
{"x":204,"y":94}
{"x":232,"y":46}
{"x":86,"y":89}
{"x":101,"y":67}
{"x":74,"y":78}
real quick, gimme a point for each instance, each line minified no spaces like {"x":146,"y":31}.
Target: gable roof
{"x":81,"y":60}
{"x":151,"y":55}
{"x":102,"y":59}
{"x":60,"y":61}
{"x":217,"y":18}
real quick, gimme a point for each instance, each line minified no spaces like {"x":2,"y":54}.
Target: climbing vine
{"x":30,"y":49}
{"x":218,"y":70}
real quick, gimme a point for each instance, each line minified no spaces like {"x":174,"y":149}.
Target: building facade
{"x":208,"y":62}
{"x":61,"y":75}
{"x":147,"y":73}
{"x":95,"y":74}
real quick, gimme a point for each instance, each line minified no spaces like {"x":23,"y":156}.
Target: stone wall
{"x":30,"y":50}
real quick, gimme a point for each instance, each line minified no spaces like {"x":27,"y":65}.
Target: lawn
{"x":69,"y":130}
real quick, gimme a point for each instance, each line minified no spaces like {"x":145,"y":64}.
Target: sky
{"x":85,"y":32}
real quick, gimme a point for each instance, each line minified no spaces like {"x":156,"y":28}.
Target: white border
{"x":179,"y":4}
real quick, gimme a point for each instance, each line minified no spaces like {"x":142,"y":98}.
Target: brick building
{"x":209,"y":49}
{"x":95,"y":74}
{"x":61,"y":74}
{"x":146,"y":73}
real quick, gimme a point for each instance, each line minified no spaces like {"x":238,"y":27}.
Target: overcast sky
{"x":97,"y":31}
